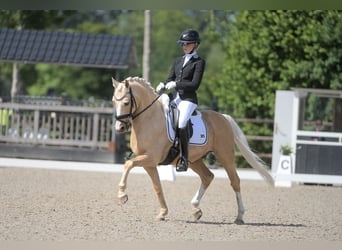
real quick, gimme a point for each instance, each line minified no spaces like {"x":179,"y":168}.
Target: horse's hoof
{"x":160,"y":218}
{"x":196,"y":213}
{"x":239,"y":221}
{"x":162,"y":214}
{"x":122,"y":199}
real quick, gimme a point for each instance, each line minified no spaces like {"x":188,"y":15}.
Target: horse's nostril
{"x":120,"y":128}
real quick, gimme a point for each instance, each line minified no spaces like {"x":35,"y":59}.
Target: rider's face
{"x":188,"y":47}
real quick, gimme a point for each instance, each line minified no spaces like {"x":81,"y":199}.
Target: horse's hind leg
{"x":241,"y":209}
{"x":206,"y":177}
{"x":227,"y":160}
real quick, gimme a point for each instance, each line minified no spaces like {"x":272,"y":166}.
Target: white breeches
{"x":186,"y":109}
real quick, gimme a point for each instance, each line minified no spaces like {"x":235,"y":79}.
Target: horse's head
{"x":131,"y":98}
{"x":124,"y":104}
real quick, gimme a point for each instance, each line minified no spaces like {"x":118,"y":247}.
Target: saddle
{"x":173,"y":114}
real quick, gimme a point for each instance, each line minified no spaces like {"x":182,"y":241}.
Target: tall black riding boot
{"x":182,"y":164}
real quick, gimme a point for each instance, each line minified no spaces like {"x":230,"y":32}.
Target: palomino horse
{"x":139,"y":109}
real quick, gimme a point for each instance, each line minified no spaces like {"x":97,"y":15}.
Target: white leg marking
{"x":241,"y":209}
{"x":198,"y":196}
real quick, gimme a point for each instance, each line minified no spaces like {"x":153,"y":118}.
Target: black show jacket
{"x":187,"y":78}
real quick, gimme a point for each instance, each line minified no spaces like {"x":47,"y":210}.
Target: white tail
{"x":254,"y":160}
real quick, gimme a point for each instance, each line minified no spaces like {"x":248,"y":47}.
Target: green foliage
{"x":249,"y":54}
{"x":286,"y":149}
{"x":5,"y":79}
{"x":33,"y":19}
{"x":267,"y":51}
{"x":75,"y":82}
{"x":271,"y":50}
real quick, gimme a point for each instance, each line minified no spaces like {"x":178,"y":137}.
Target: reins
{"x":146,"y":108}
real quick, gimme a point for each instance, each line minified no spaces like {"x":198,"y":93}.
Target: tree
{"x":217,"y":25}
{"x":275,"y":50}
{"x":271,"y":50}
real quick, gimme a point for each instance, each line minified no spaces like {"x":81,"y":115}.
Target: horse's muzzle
{"x":121,"y":127}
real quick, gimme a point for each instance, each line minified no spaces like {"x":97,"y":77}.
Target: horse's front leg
{"x":122,"y":196}
{"x":153,"y":173}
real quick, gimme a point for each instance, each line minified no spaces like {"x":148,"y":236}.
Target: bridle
{"x":133,"y":104}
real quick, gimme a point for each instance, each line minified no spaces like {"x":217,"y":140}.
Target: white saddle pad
{"x":199,"y":135}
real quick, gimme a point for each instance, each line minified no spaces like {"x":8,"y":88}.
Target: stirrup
{"x":181,"y":165}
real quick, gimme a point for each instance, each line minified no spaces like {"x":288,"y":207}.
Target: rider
{"x":184,"y":79}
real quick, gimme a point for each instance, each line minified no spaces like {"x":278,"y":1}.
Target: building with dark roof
{"x":66,"y":48}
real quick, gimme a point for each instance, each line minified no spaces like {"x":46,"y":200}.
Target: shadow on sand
{"x":255,"y":224}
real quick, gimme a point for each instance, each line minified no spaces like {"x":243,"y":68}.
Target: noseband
{"x":133,"y":102}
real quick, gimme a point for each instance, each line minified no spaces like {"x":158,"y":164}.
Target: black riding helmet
{"x":188,"y":36}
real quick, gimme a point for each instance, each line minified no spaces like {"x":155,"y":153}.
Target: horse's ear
{"x":115,"y":82}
